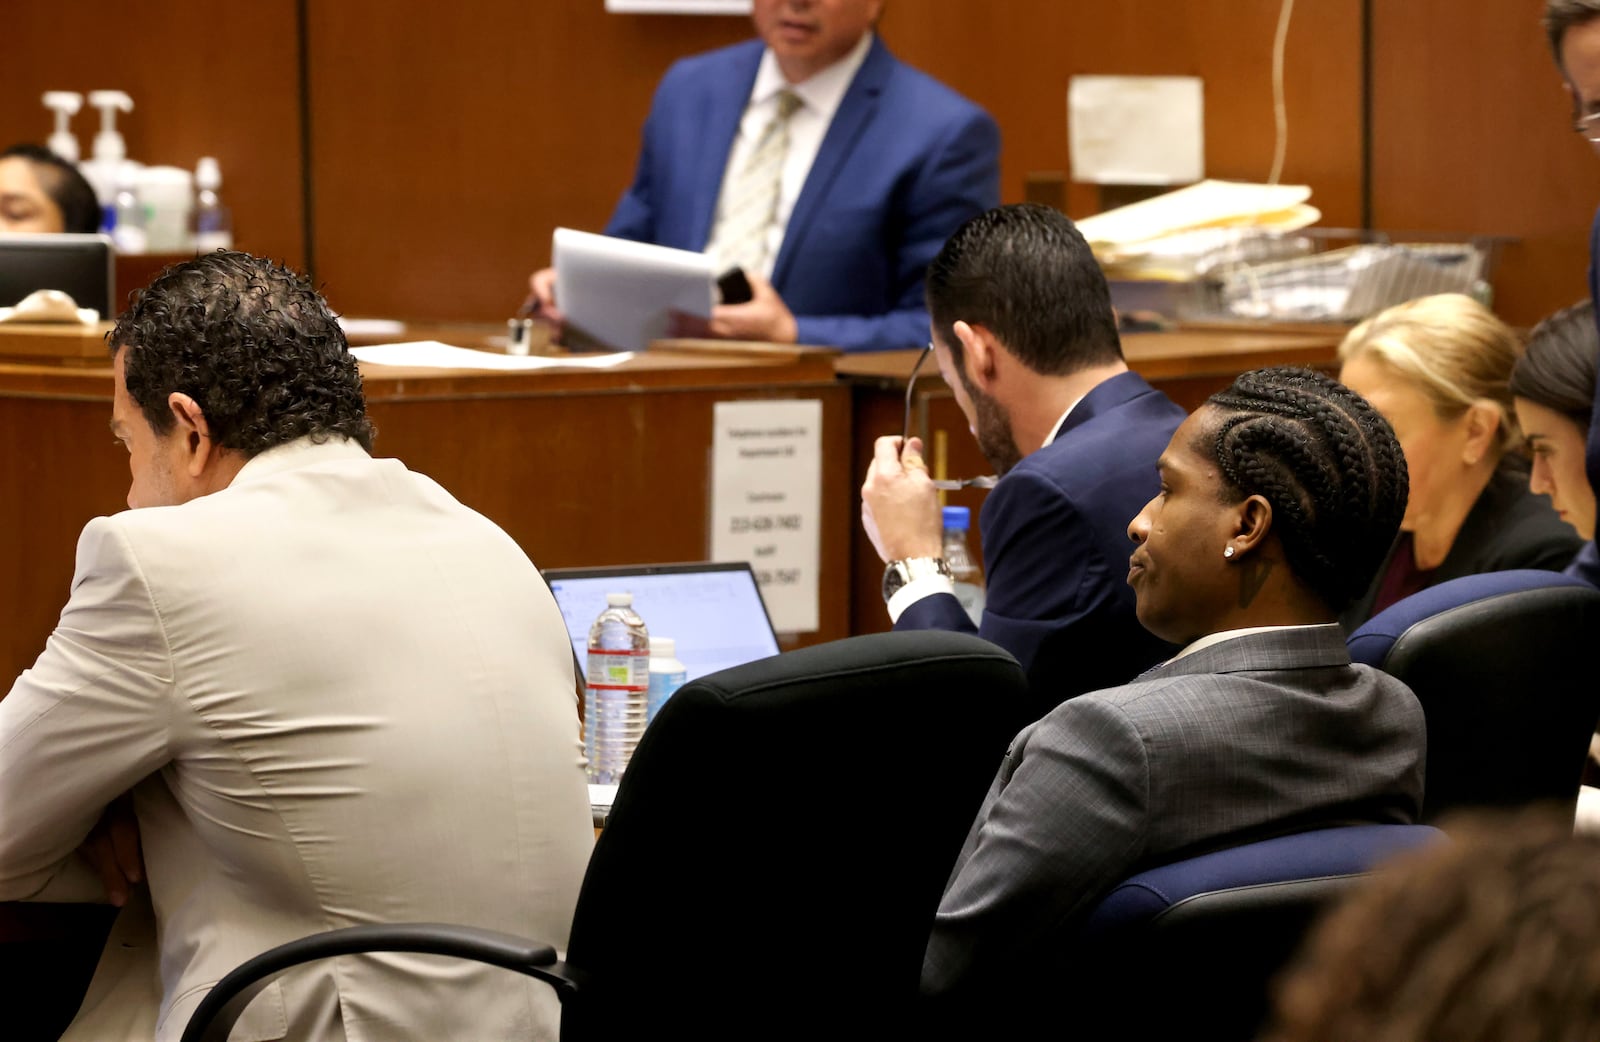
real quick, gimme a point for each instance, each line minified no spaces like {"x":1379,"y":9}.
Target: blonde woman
{"x":1439,"y":369}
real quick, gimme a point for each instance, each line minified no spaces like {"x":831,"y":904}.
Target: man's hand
{"x":112,"y":850}
{"x":541,"y":301}
{"x":899,"y":505}
{"x":764,"y":317}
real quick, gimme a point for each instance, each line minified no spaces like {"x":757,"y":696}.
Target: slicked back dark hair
{"x":66,"y":187}
{"x":1561,"y":15}
{"x":1328,"y":463}
{"x":1025,"y":273}
{"x":250,"y":341}
{"x":1557,"y":369}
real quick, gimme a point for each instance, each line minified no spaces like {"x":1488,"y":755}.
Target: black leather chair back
{"x":784,"y":817}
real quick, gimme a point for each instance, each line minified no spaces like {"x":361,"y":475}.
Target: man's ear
{"x":1253,"y":521}
{"x":978,"y":347}
{"x":1482,"y":421}
{"x":192,"y":428}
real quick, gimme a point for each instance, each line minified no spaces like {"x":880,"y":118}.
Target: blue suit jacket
{"x":904,"y":163}
{"x":1587,"y":564}
{"x":1055,"y":548}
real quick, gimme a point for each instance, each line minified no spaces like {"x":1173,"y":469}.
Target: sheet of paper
{"x":1197,"y":206}
{"x":620,"y":292}
{"x":679,"y":6}
{"x":430,"y":354}
{"x":372,"y":326}
{"x":766,"y":501}
{"x":1136,"y":130}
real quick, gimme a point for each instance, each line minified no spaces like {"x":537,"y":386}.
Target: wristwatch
{"x":897,"y":573}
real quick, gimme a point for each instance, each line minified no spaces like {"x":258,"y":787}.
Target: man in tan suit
{"x":334,"y":695}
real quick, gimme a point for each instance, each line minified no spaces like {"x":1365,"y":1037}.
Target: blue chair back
{"x":1189,"y":950}
{"x":1502,"y":665}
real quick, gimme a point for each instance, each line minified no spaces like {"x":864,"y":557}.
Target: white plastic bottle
{"x":65,"y":104}
{"x":110,"y":153}
{"x":964,"y":568}
{"x":615,"y":711}
{"x":211,"y":222}
{"x":128,"y":230}
{"x":666,"y":674}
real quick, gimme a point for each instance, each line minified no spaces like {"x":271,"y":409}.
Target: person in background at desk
{"x":1024,"y":336}
{"x":1279,"y":498}
{"x":819,"y":165}
{"x":1439,"y":369}
{"x":330,"y":693}
{"x":1573,"y":29}
{"x":42,"y":193}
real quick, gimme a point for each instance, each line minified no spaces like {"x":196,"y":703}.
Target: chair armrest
{"x":214,"y":1018}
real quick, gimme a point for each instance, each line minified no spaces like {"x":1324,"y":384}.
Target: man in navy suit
{"x":1026,"y":339}
{"x":877,"y":164}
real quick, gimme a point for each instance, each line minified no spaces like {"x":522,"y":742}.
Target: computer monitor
{"x":713,"y":612}
{"x":78,"y":265}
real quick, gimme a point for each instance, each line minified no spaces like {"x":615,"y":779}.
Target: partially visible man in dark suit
{"x":1024,"y":334}
{"x":826,"y":170}
{"x":1573,"y":27}
{"x":1279,"y":499}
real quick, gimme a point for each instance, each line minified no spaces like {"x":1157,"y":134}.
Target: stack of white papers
{"x":430,"y":354}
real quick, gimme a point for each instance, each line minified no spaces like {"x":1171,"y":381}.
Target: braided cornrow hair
{"x":1327,"y":462}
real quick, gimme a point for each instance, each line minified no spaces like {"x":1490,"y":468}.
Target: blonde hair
{"x":1449,"y":347}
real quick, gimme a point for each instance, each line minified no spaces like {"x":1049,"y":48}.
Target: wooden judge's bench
{"x":580,"y":466}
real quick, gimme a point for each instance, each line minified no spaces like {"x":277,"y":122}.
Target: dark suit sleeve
{"x":1586,"y":565}
{"x":961,"y":180}
{"x":1063,"y":823}
{"x":1043,"y":577}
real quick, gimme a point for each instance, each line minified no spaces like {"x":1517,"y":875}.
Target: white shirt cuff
{"x":914,"y":591}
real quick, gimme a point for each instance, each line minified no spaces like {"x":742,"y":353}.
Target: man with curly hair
{"x":320,"y":690}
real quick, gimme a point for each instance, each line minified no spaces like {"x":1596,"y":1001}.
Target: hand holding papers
{"x":622,"y":292}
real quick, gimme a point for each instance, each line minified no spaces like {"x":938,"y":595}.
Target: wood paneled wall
{"x":447,"y":140}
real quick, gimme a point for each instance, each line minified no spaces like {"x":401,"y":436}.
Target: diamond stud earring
{"x":1227,"y":551}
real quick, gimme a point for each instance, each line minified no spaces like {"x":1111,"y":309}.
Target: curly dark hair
{"x":253,"y":343}
{"x":1025,"y":273}
{"x":1492,"y":936}
{"x":66,"y":187}
{"x":1327,"y":462}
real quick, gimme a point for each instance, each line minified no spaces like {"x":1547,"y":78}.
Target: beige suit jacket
{"x":339,"y":697}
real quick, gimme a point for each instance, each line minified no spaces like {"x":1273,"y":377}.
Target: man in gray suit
{"x":1279,"y":498}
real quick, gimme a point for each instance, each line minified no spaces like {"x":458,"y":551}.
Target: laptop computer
{"x":79,"y":265}
{"x":713,"y":611}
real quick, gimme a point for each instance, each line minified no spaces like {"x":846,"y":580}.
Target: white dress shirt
{"x":819,"y":96}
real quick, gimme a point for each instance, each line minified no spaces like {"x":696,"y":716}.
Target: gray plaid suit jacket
{"x":1259,"y":734}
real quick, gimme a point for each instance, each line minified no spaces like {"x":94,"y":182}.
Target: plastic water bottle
{"x":666,"y":673}
{"x":615,"y":710}
{"x":128,"y":217}
{"x":210,"y":221}
{"x":964,"y":568}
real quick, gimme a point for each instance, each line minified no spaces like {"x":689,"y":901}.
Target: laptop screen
{"x":714,"y":612}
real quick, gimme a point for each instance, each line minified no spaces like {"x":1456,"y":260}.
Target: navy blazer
{"x":1056,"y":546}
{"x":905,"y":161}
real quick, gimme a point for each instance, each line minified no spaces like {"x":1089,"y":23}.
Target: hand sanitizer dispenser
{"x":109,"y":149}
{"x":65,"y":104}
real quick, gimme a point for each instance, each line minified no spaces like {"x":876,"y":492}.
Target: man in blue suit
{"x":873,"y":164}
{"x":1025,"y":336}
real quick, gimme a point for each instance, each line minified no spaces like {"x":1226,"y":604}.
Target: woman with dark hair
{"x":1279,"y":499}
{"x":1493,"y":936}
{"x":41,"y":192}
{"x":1552,"y":387}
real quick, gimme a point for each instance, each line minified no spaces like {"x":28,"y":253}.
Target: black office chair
{"x":1189,"y":950}
{"x":774,"y":857}
{"x":1503,"y":665}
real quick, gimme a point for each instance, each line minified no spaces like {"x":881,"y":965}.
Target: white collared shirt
{"x":820,"y":97}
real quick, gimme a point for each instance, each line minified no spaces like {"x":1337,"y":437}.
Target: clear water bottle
{"x":615,"y":710}
{"x":666,"y":673}
{"x":129,"y":218}
{"x":964,"y":567}
{"x":210,"y":221}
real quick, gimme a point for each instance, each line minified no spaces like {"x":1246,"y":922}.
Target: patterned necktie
{"x":749,"y":201}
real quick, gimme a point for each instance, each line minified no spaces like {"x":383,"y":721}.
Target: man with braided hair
{"x":1279,"y":499}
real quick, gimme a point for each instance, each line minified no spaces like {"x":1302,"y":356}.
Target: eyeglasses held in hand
{"x":942,"y":484}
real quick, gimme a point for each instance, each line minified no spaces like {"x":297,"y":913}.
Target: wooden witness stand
{"x":580,"y":466}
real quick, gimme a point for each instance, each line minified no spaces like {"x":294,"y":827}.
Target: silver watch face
{"x":894,"y":577}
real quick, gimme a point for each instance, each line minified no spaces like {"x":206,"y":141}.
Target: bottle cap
{"x":663,"y":647}
{"x":958,"y":518}
{"x":207,"y":174}
{"x":619,"y":600}
{"x":65,"y":104}
{"x":108,"y":144}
